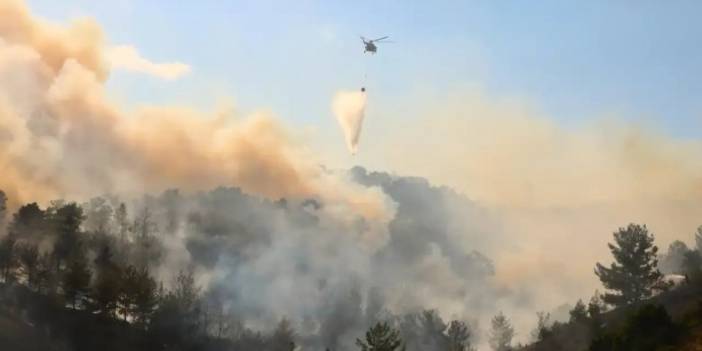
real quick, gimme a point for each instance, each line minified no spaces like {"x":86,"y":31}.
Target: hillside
{"x":669,"y":321}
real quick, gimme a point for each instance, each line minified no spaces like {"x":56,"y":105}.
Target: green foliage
{"x":501,"y":333}
{"x":648,"y":328}
{"x":633,"y":276}
{"x":381,"y":337}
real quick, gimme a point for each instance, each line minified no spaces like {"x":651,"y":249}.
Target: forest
{"x":156,"y":274}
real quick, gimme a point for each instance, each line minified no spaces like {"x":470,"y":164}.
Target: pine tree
{"x":66,"y":220}
{"x":107,"y":283}
{"x":501,"y":333}
{"x":634,"y":275}
{"x":381,"y":337}
{"x":145,"y":297}
{"x":29,"y":258}
{"x":579,"y":313}
{"x":3,"y":207}
{"x":8,"y":257}
{"x":459,"y":336}
{"x":76,"y":278}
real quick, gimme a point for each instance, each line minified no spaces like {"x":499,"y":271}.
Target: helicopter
{"x":370,"y":44}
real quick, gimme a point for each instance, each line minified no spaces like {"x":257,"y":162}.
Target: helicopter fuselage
{"x":370,"y":47}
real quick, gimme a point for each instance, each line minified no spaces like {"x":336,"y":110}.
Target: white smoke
{"x":349,"y":107}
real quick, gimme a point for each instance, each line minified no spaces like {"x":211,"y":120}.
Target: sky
{"x":571,"y":60}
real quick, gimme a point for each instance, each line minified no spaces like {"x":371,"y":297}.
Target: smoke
{"x":60,"y":135}
{"x":350,"y":108}
{"x":344,"y":247}
{"x":128,"y":58}
{"x":559,"y":192}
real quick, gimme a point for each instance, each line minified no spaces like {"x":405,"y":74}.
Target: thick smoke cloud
{"x":560,"y":191}
{"x":266,"y":260}
{"x":61,"y":136}
{"x":349,"y":107}
{"x":337,"y":244}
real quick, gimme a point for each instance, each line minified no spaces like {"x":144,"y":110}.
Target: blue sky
{"x":574,"y":60}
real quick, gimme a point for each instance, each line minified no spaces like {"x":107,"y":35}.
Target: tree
{"x":120,"y":218}
{"x":672,"y":261}
{"x":28,"y":223}
{"x":381,"y":337}
{"x":45,"y":277}
{"x":543,"y":326}
{"x":692,"y":264}
{"x":107,"y":283}
{"x":66,"y":219}
{"x":432,"y":329}
{"x":283,"y":338}
{"x":3,"y":207}
{"x":8,"y":257}
{"x":29,"y":258}
{"x":698,"y":239}
{"x":634,"y":275}
{"x":579,"y":312}
{"x":648,"y":328}
{"x":459,"y":336}
{"x":147,"y":248}
{"x":98,"y":214}
{"x":501,"y":333}
{"x":127,"y":291}
{"x":76,"y":278}
{"x":144,"y":299}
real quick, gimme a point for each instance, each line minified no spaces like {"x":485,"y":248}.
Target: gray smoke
{"x":266,"y":260}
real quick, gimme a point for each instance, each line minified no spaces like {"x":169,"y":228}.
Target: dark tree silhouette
{"x":579,"y":313}
{"x":66,"y":220}
{"x":501,"y":333}
{"x":692,"y":265}
{"x":649,"y":328}
{"x":29,"y":223}
{"x":107,"y":283}
{"x":634,"y":275}
{"x":76,"y":278}
{"x":459,"y":336}
{"x":381,"y":337}
{"x":144,"y":297}
{"x":8,"y":257}
{"x":29,"y":259}
{"x":543,"y":326}
{"x":3,"y":207}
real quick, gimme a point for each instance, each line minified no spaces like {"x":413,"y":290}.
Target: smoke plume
{"x":349,"y":107}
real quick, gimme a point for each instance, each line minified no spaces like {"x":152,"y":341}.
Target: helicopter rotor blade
{"x":385,"y":37}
